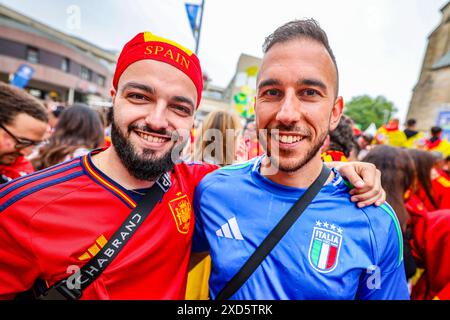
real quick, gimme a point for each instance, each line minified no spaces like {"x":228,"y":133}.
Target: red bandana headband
{"x":146,"y":45}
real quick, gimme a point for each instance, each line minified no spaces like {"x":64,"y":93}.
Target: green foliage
{"x":364,"y":110}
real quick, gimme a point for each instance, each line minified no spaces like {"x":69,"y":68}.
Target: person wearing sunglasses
{"x":23,"y":123}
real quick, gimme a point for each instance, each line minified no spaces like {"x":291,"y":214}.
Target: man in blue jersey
{"x":335,"y":250}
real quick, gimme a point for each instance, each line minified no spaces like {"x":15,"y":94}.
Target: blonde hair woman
{"x":213,"y":145}
{"x":219,"y":138}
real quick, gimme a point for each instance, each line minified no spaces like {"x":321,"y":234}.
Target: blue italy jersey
{"x":335,"y":250}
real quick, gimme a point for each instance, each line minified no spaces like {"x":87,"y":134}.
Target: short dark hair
{"x":14,"y":101}
{"x":57,"y":112}
{"x":436,"y":130}
{"x":301,"y":29}
{"x":341,"y":138}
{"x":411,"y":122}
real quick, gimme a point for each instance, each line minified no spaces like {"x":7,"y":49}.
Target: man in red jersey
{"x":23,"y":122}
{"x":56,"y":220}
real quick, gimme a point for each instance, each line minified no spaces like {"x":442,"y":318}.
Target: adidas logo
{"x":230,"y":230}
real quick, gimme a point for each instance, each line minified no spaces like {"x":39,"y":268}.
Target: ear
{"x":336,"y":113}
{"x":113,"y":93}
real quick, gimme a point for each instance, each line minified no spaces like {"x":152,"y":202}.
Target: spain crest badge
{"x":181,"y":210}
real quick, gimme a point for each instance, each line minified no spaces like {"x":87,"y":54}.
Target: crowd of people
{"x":71,"y":176}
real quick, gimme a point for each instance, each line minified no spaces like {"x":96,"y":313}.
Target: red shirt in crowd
{"x":430,"y":231}
{"x":19,"y":168}
{"x":440,"y":187}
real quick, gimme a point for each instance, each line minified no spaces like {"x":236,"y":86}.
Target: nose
{"x":157,"y":117}
{"x":289,"y":111}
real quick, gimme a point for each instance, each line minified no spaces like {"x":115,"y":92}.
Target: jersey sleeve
{"x":386,"y":279}
{"x":18,"y":266}
{"x":200,"y":170}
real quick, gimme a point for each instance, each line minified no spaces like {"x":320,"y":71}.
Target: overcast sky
{"x":379,"y":44}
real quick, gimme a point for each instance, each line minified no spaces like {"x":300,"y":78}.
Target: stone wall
{"x":432,"y":91}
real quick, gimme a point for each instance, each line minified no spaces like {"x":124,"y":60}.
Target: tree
{"x":364,"y":110}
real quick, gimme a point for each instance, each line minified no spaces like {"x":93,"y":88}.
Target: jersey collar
{"x":103,"y":180}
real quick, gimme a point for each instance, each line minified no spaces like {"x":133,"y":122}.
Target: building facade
{"x":430,"y":103}
{"x":238,"y":96}
{"x":66,"y":68}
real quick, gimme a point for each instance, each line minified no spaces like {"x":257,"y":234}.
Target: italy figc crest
{"x":325,"y":246}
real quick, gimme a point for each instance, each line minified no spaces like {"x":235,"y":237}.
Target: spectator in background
{"x":426,"y":233}
{"x":252,"y":146}
{"x":78,"y":131}
{"x":413,"y":137}
{"x":23,"y":123}
{"x":340,"y":142}
{"x":436,"y":143}
{"x":355,"y":150}
{"x":223,"y":152}
{"x":212,"y":150}
{"x":440,"y":164}
{"x":54,"y":116}
{"x":390,"y":134}
{"x":364,"y":141}
{"x":109,"y":120}
{"x":433,"y":189}
{"x":446,"y":166}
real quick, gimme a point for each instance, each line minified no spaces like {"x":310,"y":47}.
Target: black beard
{"x":146,"y":167}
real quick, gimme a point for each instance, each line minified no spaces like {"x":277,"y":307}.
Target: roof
{"x":443,"y":62}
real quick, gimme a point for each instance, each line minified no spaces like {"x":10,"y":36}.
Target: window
{"x":65,"y":65}
{"x":32,"y":55}
{"x":101,"y":80}
{"x":86,"y":74}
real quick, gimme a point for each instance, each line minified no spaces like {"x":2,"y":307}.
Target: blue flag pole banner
{"x":192,"y":12}
{"x":22,"y":76}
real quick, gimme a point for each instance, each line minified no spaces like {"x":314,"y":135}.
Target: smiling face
{"x":23,"y":127}
{"x":296,"y":102}
{"x":153,"y":109}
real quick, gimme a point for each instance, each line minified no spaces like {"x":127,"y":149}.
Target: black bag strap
{"x":72,"y":287}
{"x":274,"y":237}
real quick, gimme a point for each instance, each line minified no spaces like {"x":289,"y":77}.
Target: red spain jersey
{"x":440,"y":192}
{"x":333,"y":155}
{"x":60,"y":217}
{"x":19,"y":168}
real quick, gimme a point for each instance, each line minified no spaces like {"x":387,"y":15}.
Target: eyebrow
{"x":184,"y":100}
{"x":139,"y":86}
{"x":269,"y":82}
{"x":313,"y":82}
